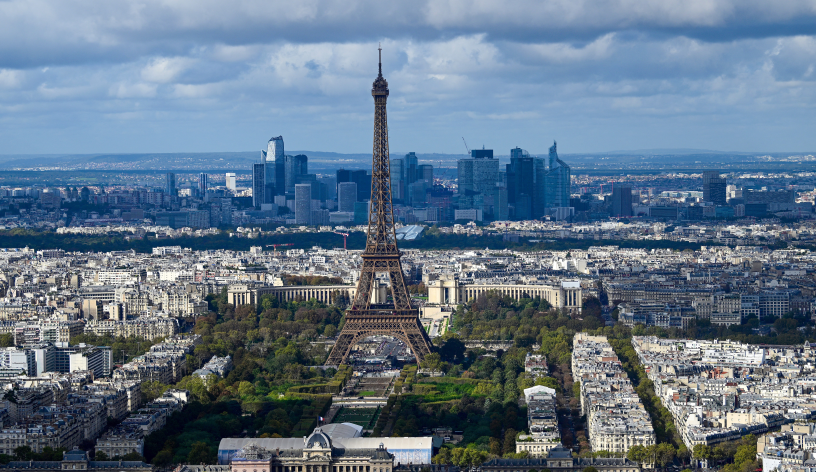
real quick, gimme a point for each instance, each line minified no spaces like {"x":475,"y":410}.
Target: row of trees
{"x":662,"y":421}
{"x":733,"y":456}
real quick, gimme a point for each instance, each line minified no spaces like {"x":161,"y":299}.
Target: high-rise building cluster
{"x":527,"y":188}
{"x":283,"y":181}
{"x":410,"y":181}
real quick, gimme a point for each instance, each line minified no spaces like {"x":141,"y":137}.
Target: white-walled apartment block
{"x":722,"y":390}
{"x":616,"y":419}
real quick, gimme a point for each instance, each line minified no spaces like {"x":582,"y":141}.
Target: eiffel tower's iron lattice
{"x":398,"y":318}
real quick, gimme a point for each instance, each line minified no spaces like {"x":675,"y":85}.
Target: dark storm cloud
{"x":40,"y":32}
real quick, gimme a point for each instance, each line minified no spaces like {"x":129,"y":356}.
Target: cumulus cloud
{"x":133,"y":90}
{"x":165,"y":69}
{"x":10,"y":78}
{"x":508,"y":69}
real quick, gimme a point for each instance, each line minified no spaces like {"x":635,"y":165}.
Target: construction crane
{"x":344,"y":235}
{"x":275,"y":246}
{"x":466,"y":146}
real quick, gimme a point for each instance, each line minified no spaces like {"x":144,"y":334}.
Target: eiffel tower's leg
{"x":362,"y":298}
{"x":398,"y":290}
{"x":418,"y":339}
{"x":342,"y":347}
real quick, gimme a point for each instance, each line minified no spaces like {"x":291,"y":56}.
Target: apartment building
{"x":616,"y":419}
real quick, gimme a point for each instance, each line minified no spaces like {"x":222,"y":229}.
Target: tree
{"x":443,"y":457}
{"x":509,"y":441}
{"x":6,"y":340}
{"x":453,"y":351}
{"x":163,"y":458}
{"x":637,"y":453}
{"x":50,"y":454}
{"x":133,"y":456}
{"x":474,"y":457}
{"x":200,"y":454}
{"x":550,"y":382}
{"x":23,"y":453}
{"x":458,"y":456}
{"x":197,"y":386}
{"x":590,"y":469}
{"x":683,"y":453}
{"x":246,"y":389}
{"x":701,"y":452}
{"x":432,"y":361}
{"x":152,"y":390}
{"x":664,"y":454}
{"x":100,"y":456}
{"x":745,"y":454}
{"x":495,"y":446}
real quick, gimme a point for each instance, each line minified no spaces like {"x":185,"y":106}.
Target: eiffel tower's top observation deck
{"x":380,"y":86}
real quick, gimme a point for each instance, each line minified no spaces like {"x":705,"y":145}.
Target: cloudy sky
{"x":87,"y":76}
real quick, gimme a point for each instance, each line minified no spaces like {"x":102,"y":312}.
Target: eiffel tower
{"x":396,"y":319}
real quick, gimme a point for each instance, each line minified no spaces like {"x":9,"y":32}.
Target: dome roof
{"x":318,"y":439}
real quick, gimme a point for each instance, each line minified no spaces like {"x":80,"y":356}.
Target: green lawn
{"x":365,"y":417}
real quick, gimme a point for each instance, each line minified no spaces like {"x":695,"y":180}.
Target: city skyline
{"x":485,"y":312}
{"x":726,"y":76}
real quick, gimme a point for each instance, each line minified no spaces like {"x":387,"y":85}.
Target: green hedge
{"x":420,"y":389}
{"x":451,"y":380}
{"x":384,"y":415}
{"x":334,"y":386}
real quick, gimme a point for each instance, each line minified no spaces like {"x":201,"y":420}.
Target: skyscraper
{"x":296,"y":166}
{"x":346,"y":196}
{"x":275,"y":171}
{"x":303,"y":204}
{"x":330,"y":182}
{"x":170,"y":186}
{"x":477,"y":174}
{"x":417,"y":193}
{"x":558,"y":181}
{"x":202,"y":184}
{"x":714,"y":188}
{"x":500,"y":206}
{"x":410,"y":168}
{"x":361,"y":178}
{"x":363,"y":181}
{"x":398,"y":179}
{"x":539,"y":188}
{"x":477,"y":177}
{"x":521,"y":179}
{"x":258,"y":184}
{"x":621,"y":200}
{"x":231,"y":183}
{"x":425,"y":172}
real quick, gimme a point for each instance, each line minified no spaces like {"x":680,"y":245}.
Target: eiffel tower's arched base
{"x":404,"y":326}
